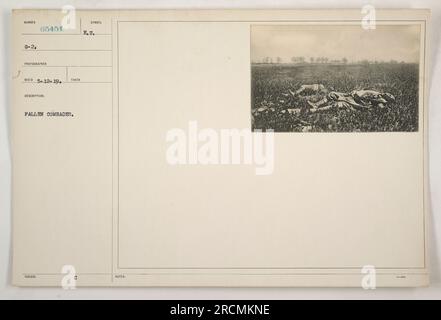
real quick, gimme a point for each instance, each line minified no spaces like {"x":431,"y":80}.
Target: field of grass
{"x":270,"y":92}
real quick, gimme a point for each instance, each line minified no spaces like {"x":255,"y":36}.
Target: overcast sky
{"x":401,"y":43}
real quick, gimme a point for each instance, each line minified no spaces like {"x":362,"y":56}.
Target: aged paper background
{"x":317,"y":236}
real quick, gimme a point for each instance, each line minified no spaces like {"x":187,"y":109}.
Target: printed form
{"x":198,"y":148}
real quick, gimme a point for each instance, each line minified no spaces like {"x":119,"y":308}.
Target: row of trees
{"x":303,"y":60}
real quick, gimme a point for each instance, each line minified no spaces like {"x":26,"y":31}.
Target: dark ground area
{"x":270,"y":94}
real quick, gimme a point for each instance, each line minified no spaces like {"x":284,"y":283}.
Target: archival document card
{"x":219,"y":148}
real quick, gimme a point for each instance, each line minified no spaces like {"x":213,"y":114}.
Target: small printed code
{"x":221,"y":309}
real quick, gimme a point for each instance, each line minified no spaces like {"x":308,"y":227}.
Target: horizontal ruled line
{"x":65,"y":34}
{"x":33,"y":82}
{"x":67,"y":50}
{"x":43,"y":66}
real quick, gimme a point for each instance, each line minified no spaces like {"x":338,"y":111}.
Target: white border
{"x":434,"y":291}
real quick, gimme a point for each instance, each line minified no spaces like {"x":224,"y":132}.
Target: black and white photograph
{"x":220,"y":156}
{"x":335,"y":78}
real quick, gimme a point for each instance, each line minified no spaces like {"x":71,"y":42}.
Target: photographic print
{"x":335,"y":78}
